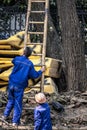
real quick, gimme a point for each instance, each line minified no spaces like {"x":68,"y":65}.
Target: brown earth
{"x":74,"y":115}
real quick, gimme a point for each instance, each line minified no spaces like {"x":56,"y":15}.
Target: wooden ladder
{"x":38,"y":17}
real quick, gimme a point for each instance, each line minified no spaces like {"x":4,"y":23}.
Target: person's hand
{"x":43,"y":68}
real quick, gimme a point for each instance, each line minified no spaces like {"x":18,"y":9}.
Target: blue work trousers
{"x":15,"y":97}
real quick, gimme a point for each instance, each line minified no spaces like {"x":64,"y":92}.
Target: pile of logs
{"x":13,"y":46}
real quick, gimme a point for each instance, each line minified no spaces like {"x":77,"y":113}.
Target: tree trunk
{"x":73,"y":46}
{"x":53,"y":41}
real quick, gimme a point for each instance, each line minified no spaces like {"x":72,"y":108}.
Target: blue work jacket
{"x":42,"y":119}
{"x":22,"y":71}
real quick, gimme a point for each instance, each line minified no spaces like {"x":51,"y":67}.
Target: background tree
{"x":73,"y":46}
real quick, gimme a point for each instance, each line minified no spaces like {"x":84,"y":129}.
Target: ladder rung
{"x":35,"y":86}
{"x":39,"y":65}
{"x":36,"y":22}
{"x":35,"y":44}
{"x":35,"y":32}
{"x":36,"y":54}
{"x":37,"y":11}
{"x":38,"y":1}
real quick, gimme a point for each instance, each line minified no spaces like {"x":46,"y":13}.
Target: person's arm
{"x":37,"y":120}
{"x":35,"y":74}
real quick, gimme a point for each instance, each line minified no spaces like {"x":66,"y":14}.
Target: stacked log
{"x":12,"y":47}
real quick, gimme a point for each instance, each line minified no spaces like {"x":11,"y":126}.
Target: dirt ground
{"x":73,"y":116}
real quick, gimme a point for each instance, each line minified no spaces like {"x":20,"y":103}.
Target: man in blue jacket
{"x":22,"y":71}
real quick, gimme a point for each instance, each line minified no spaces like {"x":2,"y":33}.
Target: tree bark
{"x":53,"y":41}
{"x":73,"y":46}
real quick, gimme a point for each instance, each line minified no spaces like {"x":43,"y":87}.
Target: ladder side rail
{"x":44,"y":42}
{"x":27,"y":24}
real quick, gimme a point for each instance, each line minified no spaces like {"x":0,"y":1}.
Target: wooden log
{"x":49,"y":86}
{"x":4,"y":47}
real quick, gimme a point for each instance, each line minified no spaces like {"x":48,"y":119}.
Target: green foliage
{"x":7,"y":1}
{"x":52,"y":2}
{"x":19,"y":3}
{"x":81,"y":3}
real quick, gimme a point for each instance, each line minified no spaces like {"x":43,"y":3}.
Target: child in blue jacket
{"x":42,"y":119}
{"x":22,"y":71}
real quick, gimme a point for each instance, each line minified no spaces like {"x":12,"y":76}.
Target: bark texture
{"x":53,"y":41}
{"x":73,"y":46}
